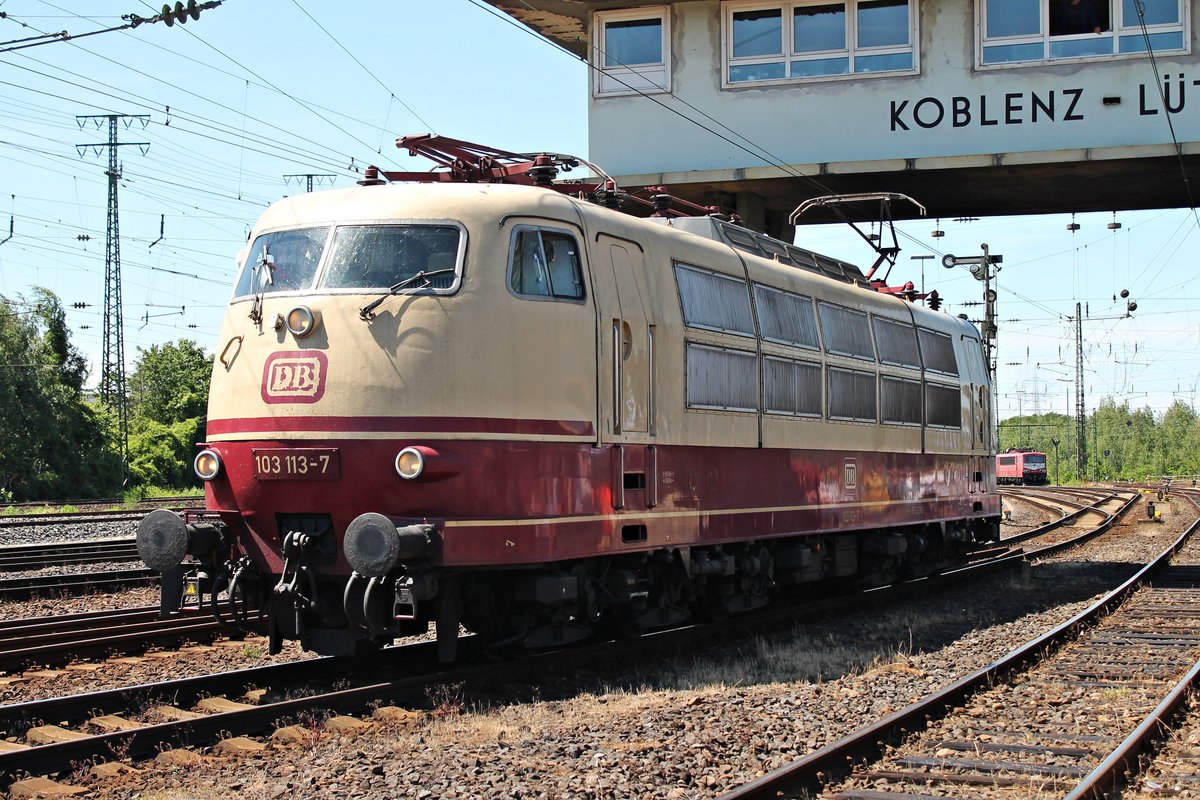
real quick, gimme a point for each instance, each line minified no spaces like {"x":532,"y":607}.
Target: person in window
{"x":1074,"y":17}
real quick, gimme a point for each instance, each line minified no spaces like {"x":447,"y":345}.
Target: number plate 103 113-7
{"x":297,"y":464}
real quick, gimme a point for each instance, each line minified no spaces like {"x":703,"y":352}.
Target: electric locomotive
{"x":517,"y":410}
{"x":1023,"y":467}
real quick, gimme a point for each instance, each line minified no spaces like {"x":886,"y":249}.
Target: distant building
{"x":970,"y":106}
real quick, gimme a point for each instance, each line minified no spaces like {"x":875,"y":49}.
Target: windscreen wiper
{"x":366,"y":312}
{"x":262,"y":275}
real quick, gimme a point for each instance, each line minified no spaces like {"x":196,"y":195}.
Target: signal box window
{"x":630,"y":51}
{"x":817,"y":39}
{"x":545,"y":264}
{"x":1021,"y":31}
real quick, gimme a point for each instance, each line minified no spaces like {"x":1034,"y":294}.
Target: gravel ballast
{"x":692,"y":727}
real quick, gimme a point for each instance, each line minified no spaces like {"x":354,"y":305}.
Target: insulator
{"x":543,"y":172}
{"x":180,"y":12}
{"x":371,"y":177}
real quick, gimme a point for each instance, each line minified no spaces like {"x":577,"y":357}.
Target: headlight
{"x":207,"y":465}
{"x":410,"y":463}
{"x":301,"y":321}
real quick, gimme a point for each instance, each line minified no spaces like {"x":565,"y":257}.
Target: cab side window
{"x":545,"y":263}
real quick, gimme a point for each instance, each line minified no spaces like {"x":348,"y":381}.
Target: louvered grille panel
{"x":786,"y":317}
{"x":726,"y":379}
{"x":851,"y":395}
{"x":943,"y":406}
{"x":897,"y":343}
{"x":717,"y":302}
{"x":900,"y":401}
{"x":847,"y":333}
{"x":938,"y":351}
{"x":792,"y":387}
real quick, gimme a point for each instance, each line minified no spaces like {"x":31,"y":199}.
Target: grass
{"x":128,"y":501}
{"x":141,"y":493}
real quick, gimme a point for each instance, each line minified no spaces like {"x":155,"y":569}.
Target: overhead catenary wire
{"x":365,"y":69}
{"x":182,"y":168}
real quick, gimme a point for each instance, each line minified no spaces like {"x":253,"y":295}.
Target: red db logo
{"x":294,"y":376}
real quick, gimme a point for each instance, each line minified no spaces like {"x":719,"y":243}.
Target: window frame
{"x":788,"y":54}
{"x":251,"y":260}
{"x":819,"y":413}
{"x":690,"y":347}
{"x":522,"y":228}
{"x":649,"y":78}
{"x":908,"y":381}
{"x":1117,"y":30}
{"x":879,"y":324}
{"x":331,"y":245}
{"x":949,"y":388}
{"x":830,"y":337}
{"x":803,"y":300}
{"x":736,"y":281}
{"x":830,"y":371}
{"x":316,"y":283}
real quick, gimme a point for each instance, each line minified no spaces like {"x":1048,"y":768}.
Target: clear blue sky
{"x":258,"y":89}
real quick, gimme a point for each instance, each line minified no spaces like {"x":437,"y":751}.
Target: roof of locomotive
{"x":467,"y":201}
{"x":759,"y":244}
{"x":410,"y":201}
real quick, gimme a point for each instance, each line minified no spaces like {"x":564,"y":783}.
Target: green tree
{"x":1177,"y":440}
{"x":170,"y":382}
{"x":168,"y":398}
{"x":56,"y":444}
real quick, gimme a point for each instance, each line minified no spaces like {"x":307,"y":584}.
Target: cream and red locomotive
{"x":515,"y":410}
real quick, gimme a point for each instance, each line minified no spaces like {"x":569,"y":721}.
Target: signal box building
{"x":970,"y":106}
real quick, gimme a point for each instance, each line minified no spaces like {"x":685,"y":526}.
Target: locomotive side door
{"x":626,"y":352}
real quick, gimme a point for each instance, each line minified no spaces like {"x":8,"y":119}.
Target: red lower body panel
{"x":511,"y":503}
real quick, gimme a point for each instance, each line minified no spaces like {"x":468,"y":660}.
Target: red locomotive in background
{"x":464,"y":402}
{"x":1021,"y":467}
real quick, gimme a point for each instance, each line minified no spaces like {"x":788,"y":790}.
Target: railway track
{"x":27,"y":586}
{"x":125,"y":727}
{"x":37,"y":556}
{"x":34,"y":508}
{"x":1103,"y":508}
{"x":1068,"y":713}
{"x":60,"y":546}
{"x":78,"y":517}
{"x":46,"y":641}
{"x":1173,"y":770}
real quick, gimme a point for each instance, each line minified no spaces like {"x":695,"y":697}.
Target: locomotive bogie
{"x":551,"y":419}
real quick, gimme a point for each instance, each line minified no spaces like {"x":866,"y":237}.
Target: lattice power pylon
{"x":112,"y":368}
{"x":1080,"y":405}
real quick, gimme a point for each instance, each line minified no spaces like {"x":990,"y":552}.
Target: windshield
{"x":282,"y":261}
{"x":381,"y":256}
{"x":1035,"y":461}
